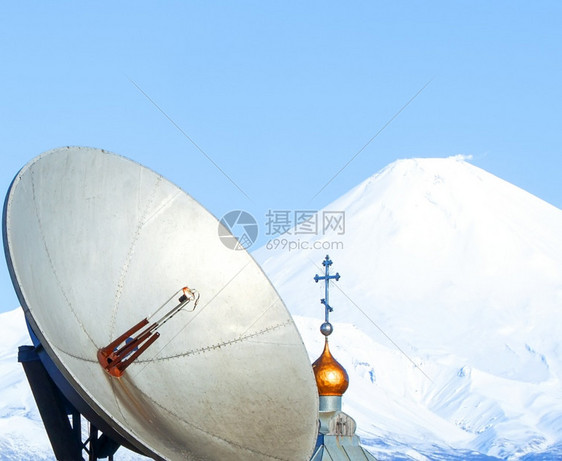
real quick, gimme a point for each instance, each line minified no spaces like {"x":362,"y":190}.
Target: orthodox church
{"x":336,"y":435}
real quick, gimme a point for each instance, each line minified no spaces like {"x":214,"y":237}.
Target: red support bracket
{"x":120,"y":353}
{"x":115,"y":359}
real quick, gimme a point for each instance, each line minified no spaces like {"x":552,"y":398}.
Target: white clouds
{"x":462,"y":157}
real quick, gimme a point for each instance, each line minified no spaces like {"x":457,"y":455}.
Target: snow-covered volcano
{"x":451,"y":295}
{"x":448,"y":317}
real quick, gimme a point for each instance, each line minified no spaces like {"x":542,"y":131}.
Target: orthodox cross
{"x":326,"y":327}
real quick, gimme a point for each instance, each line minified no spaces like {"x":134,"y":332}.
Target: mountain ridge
{"x":461,"y":271}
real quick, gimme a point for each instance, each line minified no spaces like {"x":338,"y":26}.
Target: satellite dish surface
{"x":95,"y":243}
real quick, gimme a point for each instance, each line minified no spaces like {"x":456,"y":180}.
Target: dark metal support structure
{"x":56,"y":412}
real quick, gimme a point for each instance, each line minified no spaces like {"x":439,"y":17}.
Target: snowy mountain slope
{"x":20,"y":428}
{"x":463,"y":271}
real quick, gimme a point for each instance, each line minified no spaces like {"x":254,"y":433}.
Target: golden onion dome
{"x":331,"y":377}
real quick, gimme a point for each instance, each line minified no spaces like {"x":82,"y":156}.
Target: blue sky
{"x":281,"y":95}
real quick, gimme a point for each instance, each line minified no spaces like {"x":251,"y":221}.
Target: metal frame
{"x":61,"y":419}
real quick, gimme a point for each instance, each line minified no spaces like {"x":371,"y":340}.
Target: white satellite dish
{"x":96,"y":243}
